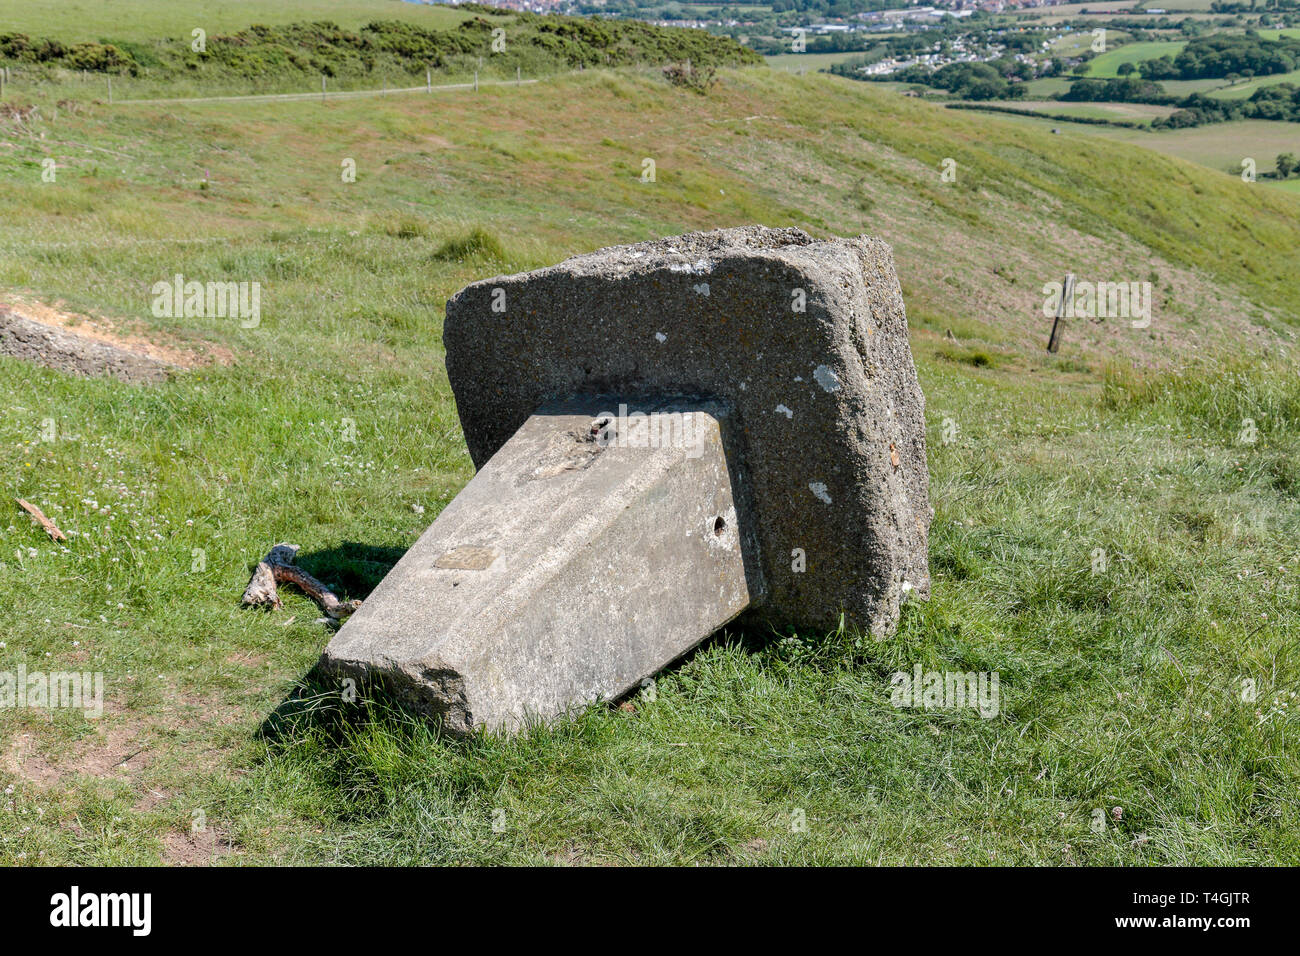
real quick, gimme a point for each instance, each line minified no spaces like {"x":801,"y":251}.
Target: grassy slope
{"x":146,"y":20}
{"x":1120,"y":688}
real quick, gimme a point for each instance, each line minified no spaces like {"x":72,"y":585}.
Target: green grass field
{"x":1045,"y":87}
{"x":1105,"y":538}
{"x":1107,"y":64}
{"x":1081,"y":40}
{"x":1245,"y":89}
{"x":1188,"y":87}
{"x":794,"y":62}
{"x":1133,"y":112}
{"x":142,"y":20}
{"x":1220,"y":146}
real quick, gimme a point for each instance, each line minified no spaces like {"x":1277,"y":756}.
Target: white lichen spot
{"x":661,"y":337}
{"x":818,"y":488}
{"x":785,"y":411}
{"x":702,"y":288}
{"x":827,"y":378}
{"x":700,"y":267}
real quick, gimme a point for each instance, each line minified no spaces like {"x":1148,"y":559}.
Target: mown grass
{"x":1108,"y":541}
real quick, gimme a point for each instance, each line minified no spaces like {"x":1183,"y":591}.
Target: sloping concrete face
{"x":804,"y":340}
{"x":590,"y":551}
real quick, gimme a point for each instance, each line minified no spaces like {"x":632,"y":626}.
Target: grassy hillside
{"x":1121,"y":679}
{"x":381,"y":53}
{"x":146,"y":21}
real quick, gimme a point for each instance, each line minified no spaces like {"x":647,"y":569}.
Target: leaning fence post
{"x":1067,"y":292}
{"x":110,"y":90}
{"x":428,"y":81}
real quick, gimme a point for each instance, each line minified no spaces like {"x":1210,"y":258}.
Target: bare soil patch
{"x":93,"y":345}
{"x":195,"y":848}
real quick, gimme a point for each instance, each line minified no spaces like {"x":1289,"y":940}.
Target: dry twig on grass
{"x":278,"y":567}
{"x":39,"y":517}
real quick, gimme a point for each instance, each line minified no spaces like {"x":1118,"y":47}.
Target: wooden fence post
{"x":1067,"y":293}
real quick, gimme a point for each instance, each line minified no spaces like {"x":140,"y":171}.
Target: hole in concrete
{"x":719,"y":524}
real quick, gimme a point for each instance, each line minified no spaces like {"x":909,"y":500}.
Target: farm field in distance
{"x":1244,"y":89}
{"x":1137,"y":112}
{"x":1221,"y":146}
{"x":794,"y":62}
{"x":1107,"y":64}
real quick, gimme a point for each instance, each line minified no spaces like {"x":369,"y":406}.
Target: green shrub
{"x":477,"y":244}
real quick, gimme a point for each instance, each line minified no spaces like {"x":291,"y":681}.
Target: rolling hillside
{"x":331,"y":424}
{"x":824,"y":155}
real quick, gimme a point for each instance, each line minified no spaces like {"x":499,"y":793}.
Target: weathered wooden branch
{"x":39,"y":516}
{"x":278,"y":567}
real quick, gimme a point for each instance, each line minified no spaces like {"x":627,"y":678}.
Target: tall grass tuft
{"x":478,"y":243}
{"x":1266,"y":393}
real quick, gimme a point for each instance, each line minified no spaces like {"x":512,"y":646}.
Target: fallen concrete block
{"x":796,"y":348}
{"x":573,"y":565}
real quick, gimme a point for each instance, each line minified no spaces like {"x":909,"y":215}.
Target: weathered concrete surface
{"x":67,"y":352}
{"x":830,"y":417}
{"x":571,"y":567}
